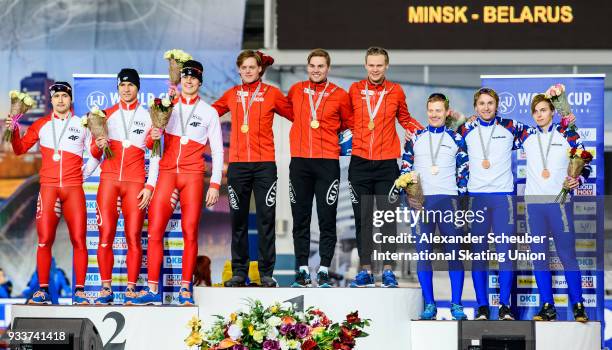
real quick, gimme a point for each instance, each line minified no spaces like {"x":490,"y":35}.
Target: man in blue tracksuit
{"x":439,"y":156}
{"x":546,"y":148}
{"x":490,"y":141}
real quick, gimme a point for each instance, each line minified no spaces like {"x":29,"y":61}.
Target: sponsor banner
{"x":561,"y":300}
{"x":585,"y":208}
{"x":493,"y":281}
{"x":526,"y":281}
{"x":528,"y":300}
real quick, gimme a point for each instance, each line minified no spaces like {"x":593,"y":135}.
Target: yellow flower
{"x":13,"y":93}
{"x":274,"y":309}
{"x":233,"y":317}
{"x":28,"y":101}
{"x":317,"y":330}
{"x":293,"y":344}
{"x":194,"y":323}
{"x":258,"y":336}
{"x":195,"y":338}
{"x":84,"y":121}
{"x":251,"y":329}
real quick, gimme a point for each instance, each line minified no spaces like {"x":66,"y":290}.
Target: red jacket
{"x":334,"y":115}
{"x":67,"y":171}
{"x":256,"y":145}
{"x":382,"y":142}
{"x":128,"y":164}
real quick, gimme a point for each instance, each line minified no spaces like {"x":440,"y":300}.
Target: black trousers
{"x":319,"y":178}
{"x":242,"y":178}
{"x":371,"y":180}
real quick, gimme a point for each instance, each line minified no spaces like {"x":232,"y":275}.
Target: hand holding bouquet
{"x":411,"y":183}
{"x":579,"y":158}
{"x":160,"y":111}
{"x":558,"y":97}
{"x":176,"y":58}
{"x":20,"y":104}
{"x":95,"y":121}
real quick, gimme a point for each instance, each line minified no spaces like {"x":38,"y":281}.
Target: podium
{"x":124,"y":327}
{"x":510,"y":335}
{"x":390,"y":309}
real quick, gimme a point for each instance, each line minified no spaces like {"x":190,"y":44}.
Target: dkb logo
{"x":507,"y":103}
{"x":96,"y":99}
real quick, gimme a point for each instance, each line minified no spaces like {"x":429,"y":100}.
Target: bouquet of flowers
{"x":176,"y":58}
{"x":277,"y":327}
{"x":95,"y":121}
{"x":455,"y":119}
{"x":20,"y":104}
{"x":410,"y":182}
{"x":160,"y":111}
{"x":556,"y":94}
{"x":579,"y":158}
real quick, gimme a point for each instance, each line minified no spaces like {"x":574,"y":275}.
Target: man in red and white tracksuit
{"x":62,"y":141}
{"x":252,"y":165}
{"x":377,"y":103}
{"x":321,"y":110}
{"x":123,"y":178}
{"x":192,"y":125}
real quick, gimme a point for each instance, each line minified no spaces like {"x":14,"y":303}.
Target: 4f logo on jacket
{"x":138,"y":131}
{"x":195,"y":124}
{"x":233,"y":198}
{"x":271,"y":195}
{"x":332,"y":193}
{"x":73,"y":137}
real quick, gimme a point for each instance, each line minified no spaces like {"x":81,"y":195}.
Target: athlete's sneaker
{"x":323,"y":280}
{"x":106,"y":297}
{"x":430,"y":312}
{"x":268,"y":282}
{"x":505,"y":314}
{"x":457,"y":312}
{"x":130,"y":295}
{"x":483,"y":313}
{"x":579,"y":313}
{"x":388,"y":279}
{"x":79,"y":298}
{"x":546,"y":313}
{"x":302,"y":280}
{"x":363,"y":280}
{"x":185,"y":298}
{"x":235,"y":281}
{"x":40,"y":298}
{"x":147,"y":297}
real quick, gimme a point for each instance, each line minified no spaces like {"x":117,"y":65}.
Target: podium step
{"x":523,"y":335}
{"x":391,"y":310}
{"x":125,"y":327}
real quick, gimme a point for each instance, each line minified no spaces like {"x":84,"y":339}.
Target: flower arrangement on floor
{"x":277,"y":327}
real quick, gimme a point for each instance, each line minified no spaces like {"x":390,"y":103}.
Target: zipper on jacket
{"x":61,"y":166}
{"x":121,"y":164}
{"x":178,"y":157}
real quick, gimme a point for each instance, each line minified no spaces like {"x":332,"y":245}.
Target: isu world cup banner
{"x":100,"y":90}
{"x":585,"y":95}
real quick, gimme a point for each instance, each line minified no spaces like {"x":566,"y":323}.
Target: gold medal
{"x":435,"y":170}
{"x":244,"y":128}
{"x":371,"y":125}
{"x":314,"y":124}
{"x":545,"y":173}
{"x":486,"y":164}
